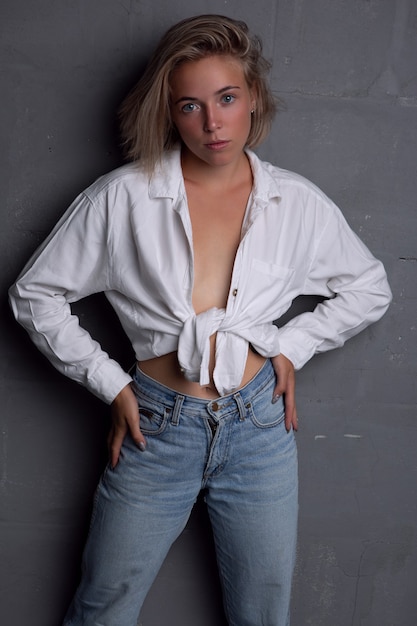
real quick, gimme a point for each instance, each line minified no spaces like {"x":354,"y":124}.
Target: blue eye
{"x":229,"y":98}
{"x":188,"y":108}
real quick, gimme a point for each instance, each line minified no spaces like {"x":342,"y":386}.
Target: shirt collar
{"x":167,"y":180}
{"x":265,"y":187}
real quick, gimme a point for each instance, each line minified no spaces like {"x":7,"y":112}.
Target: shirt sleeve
{"x":354,"y":284}
{"x":73,"y":262}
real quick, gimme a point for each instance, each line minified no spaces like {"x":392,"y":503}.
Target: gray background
{"x":347,"y":70}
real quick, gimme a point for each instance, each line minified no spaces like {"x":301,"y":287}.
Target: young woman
{"x":199,"y":246}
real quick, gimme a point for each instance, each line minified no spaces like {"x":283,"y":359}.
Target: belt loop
{"x":175,"y":419}
{"x":241,"y":406}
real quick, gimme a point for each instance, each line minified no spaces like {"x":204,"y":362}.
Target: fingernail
{"x":276,"y":398}
{"x":141,"y":446}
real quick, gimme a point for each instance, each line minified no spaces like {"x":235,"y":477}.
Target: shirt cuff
{"x":297,"y":346}
{"x":108,"y":380}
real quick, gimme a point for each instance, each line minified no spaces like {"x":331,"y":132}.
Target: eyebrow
{"x":216,"y":93}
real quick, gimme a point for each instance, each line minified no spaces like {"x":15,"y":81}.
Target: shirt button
{"x":234,"y":292}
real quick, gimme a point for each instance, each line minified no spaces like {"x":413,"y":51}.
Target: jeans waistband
{"x":161,"y":393}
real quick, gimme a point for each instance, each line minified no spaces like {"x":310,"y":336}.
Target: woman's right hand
{"x":125,"y":417}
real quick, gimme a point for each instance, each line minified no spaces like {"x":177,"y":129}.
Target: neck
{"x":221,"y":177}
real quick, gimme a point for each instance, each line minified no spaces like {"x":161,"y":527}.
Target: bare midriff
{"x":166,"y":370}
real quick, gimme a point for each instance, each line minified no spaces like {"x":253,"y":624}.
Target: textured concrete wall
{"x":347,"y":72}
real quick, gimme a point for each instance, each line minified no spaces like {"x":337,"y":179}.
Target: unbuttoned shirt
{"x":129,"y":235}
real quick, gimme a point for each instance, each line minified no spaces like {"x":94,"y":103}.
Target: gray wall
{"x":347,"y":70}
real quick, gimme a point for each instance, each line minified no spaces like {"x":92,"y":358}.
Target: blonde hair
{"x":146,"y":125}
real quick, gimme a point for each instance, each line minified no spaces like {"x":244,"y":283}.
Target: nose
{"x":212,"y":119}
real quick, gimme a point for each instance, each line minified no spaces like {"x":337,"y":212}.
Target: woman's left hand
{"x":284,"y":370}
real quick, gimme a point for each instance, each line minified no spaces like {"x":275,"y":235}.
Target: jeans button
{"x":215,"y":406}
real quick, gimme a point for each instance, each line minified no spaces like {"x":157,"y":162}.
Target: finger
{"x":291,"y":417}
{"x":290,"y":405}
{"x":287,"y":389}
{"x":136,"y":433}
{"x":132,"y":423}
{"x":116,"y":440}
{"x":281,"y":385}
{"x":284,"y":371}
{"x":118,"y":434}
{"x":125,"y":418}
{"x":295,"y":420}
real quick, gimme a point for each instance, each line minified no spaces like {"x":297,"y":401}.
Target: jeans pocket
{"x":153,"y":416}
{"x":266,"y":414}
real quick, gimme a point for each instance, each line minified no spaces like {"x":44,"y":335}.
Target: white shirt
{"x":130,"y":237}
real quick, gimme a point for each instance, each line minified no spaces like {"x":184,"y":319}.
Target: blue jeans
{"x":237,"y":450}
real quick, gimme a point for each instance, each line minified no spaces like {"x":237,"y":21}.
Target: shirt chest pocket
{"x":264,"y":277}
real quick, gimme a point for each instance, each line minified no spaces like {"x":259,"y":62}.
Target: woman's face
{"x":211,"y":106}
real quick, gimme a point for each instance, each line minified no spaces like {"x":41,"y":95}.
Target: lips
{"x":217,"y":145}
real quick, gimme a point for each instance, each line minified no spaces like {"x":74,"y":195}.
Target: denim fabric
{"x":237,"y":450}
